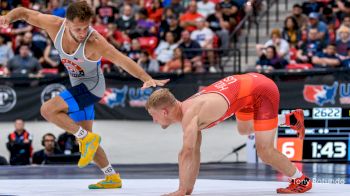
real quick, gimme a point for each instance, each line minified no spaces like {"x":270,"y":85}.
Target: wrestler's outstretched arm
{"x":106,"y":50}
{"x":50,"y":23}
{"x":189,"y":156}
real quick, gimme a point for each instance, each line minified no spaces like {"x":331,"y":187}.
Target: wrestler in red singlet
{"x":250,"y":97}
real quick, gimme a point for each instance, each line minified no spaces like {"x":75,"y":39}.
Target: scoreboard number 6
{"x":288,"y":149}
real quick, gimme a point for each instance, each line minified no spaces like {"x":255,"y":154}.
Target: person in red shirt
{"x":155,"y":12}
{"x":254,"y":99}
{"x":188,"y":20}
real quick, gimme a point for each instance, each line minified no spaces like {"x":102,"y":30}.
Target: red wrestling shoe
{"x":295,"y":120}
{"x":298,"y":185}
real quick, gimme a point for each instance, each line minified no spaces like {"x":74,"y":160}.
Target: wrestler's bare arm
{"x":188,"y":164}
{"x":47,"y":22}
{"x":106,"y":50}
{"x":197,"y":157}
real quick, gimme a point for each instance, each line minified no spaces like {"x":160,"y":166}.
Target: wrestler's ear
{"x":165,"y":111}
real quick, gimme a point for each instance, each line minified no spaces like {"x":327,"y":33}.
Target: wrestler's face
{"x":78,"y":29}
{"x":160,"y":116}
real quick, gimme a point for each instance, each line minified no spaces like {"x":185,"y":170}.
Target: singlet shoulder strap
{"x":59,"y":34}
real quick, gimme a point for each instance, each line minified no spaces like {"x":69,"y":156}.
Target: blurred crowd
{"x":315,"y":35}
{"x":160,"y":35}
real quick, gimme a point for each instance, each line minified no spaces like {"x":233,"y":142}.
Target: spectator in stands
{"x":135,"y":51}
{"x":269,"y":61}
{"x":311,"y":6}
{"x":100,"y":27}
{"x":230,"y":12}
{"x":327,"y":59}
{"x":343,"y":43}
{"x":301,"y":18}
{"x":188,"y":19}
{"x":5,"y":7}
{"x":310,"y":48}
{"x":177,"y":7}
{"x":155,"y":12}
{"x":40,"y":5}
{"x":345,"y":23}
{"x":344,"y":6}
{"x":319,"y":25}
{"x":56,"y":9}
{"x":149,"y":64}
{"x":144,"y":26}
{"x":280,"y":44}
{"x":204,"y":36}
{"x":39,"y":43}
{"x":332,"y":22}
{"x":126,"y":21}
{"x":67,"y":143}
{"x":206,"y":8}
{"x":6,"y":53}
{"x":50,"y":148}
{"x":20,"y":145}
{"x":175,"y":64}
{"x":146,"y":3}
{"x":118,"y":39}
{"x":107,"y":13}
{"x":24,"y":64}
{"x":36,"y":48}
{"x":291,"y":32}
{"x":191,"y":51}
{"x":51,"y":57}
{"x":221,"y":27}
{"x":346,"y":60}
{"x":165,"y":50}
{"x":20,"y":27}
{"x":132,"y":4}
{"x":170,"y":23}
{"x":229,"y":7}
{"x":328,"y":17}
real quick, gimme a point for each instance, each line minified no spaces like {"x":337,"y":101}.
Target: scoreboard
{"x":326,"y":136}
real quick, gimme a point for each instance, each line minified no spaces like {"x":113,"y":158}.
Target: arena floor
{"x":150,"y":187}
{"x":143,"y":180}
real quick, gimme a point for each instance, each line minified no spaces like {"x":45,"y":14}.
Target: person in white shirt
{"x":205,"y":8}
{"x":204,"y":36}
{"x":165,"y":49}
{"x":276,"y":40}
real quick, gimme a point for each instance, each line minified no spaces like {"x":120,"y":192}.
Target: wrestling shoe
{"x":295,"y":120}
{"x":88,"y":147}
{"x":298,"y":185}
{"x":110,"y":182}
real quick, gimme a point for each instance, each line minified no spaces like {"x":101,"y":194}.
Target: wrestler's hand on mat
{"x":4,"y":22}
{"x":154,"y":83}
{"x":176,"y":193}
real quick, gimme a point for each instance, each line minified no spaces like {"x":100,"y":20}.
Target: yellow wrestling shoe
{"x":111,"y":182}
{"x":88,"y":147}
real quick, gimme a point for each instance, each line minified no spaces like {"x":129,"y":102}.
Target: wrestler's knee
{"x":51,"y":107}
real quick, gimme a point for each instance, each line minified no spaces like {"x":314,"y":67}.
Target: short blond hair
{"x":160,"y":98}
